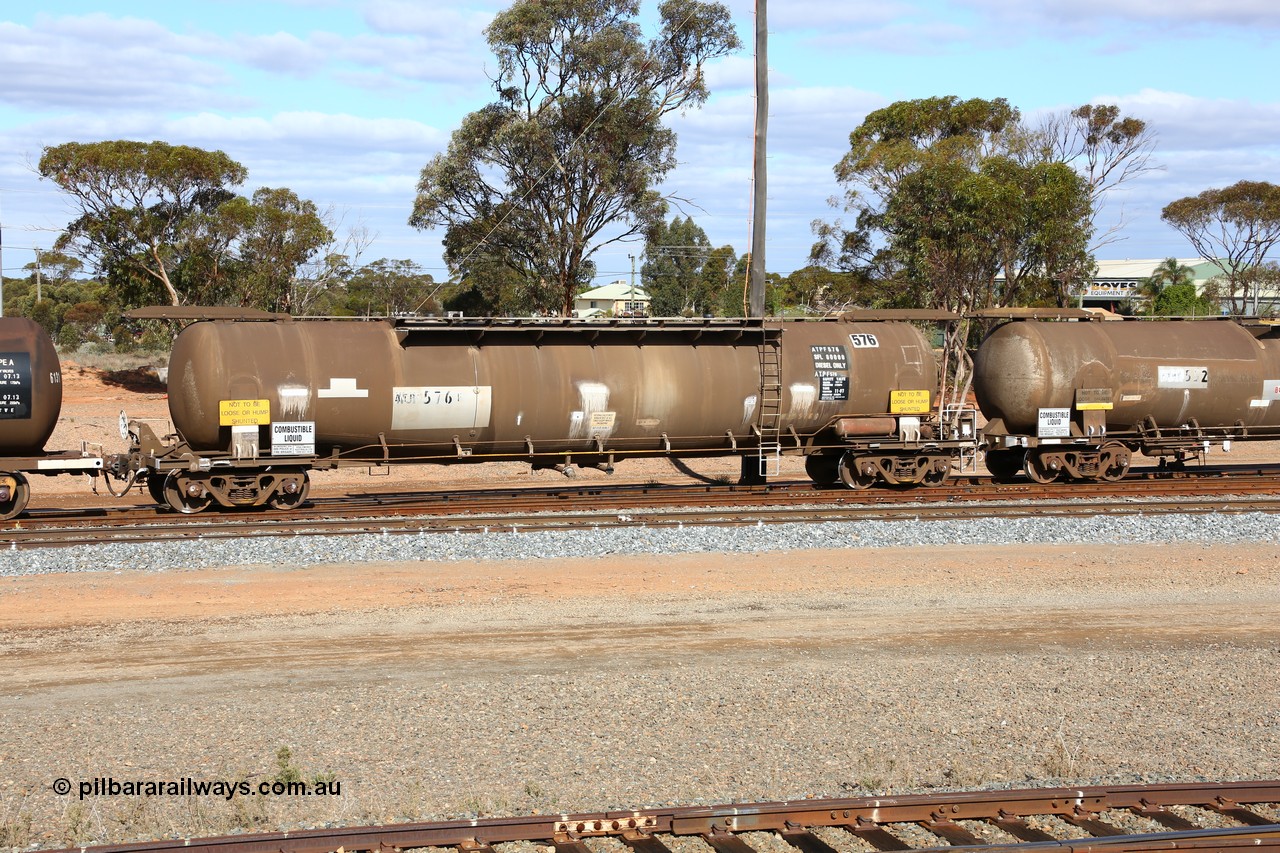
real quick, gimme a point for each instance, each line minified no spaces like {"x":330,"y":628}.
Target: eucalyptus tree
{"x":282,"y":235}
{"x":952,"y":203}
{"x":1237,"y":226}
{"x":136,"y":202}
{"x":162,"y":222}
{"x":567,"y":158}
{"x":672,"y":274}
{"x":1106,"y":149}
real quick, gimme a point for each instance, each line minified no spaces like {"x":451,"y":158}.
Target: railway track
{"x":1193,"y":817}
{"x":652,"y":505}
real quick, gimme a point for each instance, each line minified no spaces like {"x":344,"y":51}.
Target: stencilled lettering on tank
{"x":1194,"y":377}
{"x":419,"y":407}
{"x":294,"y":401}
{"x":594,"y":397}
{"x":15,"y":386}
{"x":864,"y":340}
{"x":831,"y":369}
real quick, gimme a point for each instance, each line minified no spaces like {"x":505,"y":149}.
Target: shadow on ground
{"x":140,"y":380}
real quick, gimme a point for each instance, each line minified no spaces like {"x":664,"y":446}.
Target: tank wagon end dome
{"x":31,"y":379}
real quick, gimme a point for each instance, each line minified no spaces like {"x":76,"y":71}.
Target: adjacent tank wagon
{"x":1077,"y":399}
{"x":256,"y":404}
{"x":30,"y":404}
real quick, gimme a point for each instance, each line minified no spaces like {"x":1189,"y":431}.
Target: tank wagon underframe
{"x":15,"y":486}
{"x":857,"y":397}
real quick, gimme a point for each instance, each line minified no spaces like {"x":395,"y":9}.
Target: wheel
{"x":15,"y":491}
{"x":853,"y":472}
{"x":291,"y":493}
{"x":1034,"y":468}
{"x":1004,"y":465}
{"x":1113,"y":462}
{"x":822,"y":468}
{"x":936,"y":474}
{"x":184,"y":494}
{"x":155,"y":488}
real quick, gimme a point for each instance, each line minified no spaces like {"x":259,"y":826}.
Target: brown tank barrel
{"x":1214,"y":372}
{"x":30,"y":387}
{"x":507,"y":388}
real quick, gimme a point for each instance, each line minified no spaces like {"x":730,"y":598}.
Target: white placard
{"x":1271,"y":389}
{"x":601,"y":424}
{"x":441,"y":407}
{"x":864,"y":340}
{"x":1054,"y":423}
{"x":293,"y":438}
{"x":1182,"y":377}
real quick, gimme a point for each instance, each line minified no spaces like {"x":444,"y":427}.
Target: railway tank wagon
{"x":256,"y":404}
{"x":1078,"y":398}
{"x":30,"y":404}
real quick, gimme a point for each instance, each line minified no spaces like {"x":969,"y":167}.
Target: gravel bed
{"x":551,"y":545}
{"x":631,"y":698}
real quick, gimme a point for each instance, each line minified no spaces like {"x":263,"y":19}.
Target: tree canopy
{"x":161,"y":220}
{"x":567,"y":158}
{"x":672,"y":274}
{"x":1105,"y":148}
{"x":1182,"y":300}
{"x":1168,"y":274}
{"x":1237,"y":225}
{"x":136,"y":201}
{"x":960,"y":210}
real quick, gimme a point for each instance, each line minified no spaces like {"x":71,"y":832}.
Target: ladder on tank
{"x":769,"y":404}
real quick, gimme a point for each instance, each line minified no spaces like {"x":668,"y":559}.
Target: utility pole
{"x":37,"y":251}
{"x":1,"y":265}
{"x":755,"y":277}
{"x":631,"y":297}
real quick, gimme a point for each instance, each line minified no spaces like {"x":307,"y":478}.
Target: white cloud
{"x":280,"y":52}
{"x":821,"y":14}
{"x":104,"y":64}
{"x":433,"y":21}
{"x":1192,"y":17}
{"x":1187,"y":123}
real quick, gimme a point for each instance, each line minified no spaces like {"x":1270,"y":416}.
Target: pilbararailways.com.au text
{"x":108,"y":786}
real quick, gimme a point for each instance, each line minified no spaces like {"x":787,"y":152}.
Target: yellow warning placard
{"x":1094,"y":400}
{"x":909,"y":402}
{"x":244,"y":412}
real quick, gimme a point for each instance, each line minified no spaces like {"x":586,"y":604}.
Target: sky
{"x":344,"y":101}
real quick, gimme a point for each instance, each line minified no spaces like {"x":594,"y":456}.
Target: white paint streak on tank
{"x":803,"y":397}
{"x":595,"y":398}
{"x":748,"y":410}
{"x":519,"y":418}
{"x":294,"y":402}
{"x":657,"y":395}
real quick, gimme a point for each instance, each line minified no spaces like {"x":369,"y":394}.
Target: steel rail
{"x":642,"y":495}
{"x":1096,"y":818}
{"x":647,"y":504}
{"x":403,"y":521}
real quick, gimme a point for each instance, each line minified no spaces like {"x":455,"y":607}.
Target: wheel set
{"x":186,"y":493}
